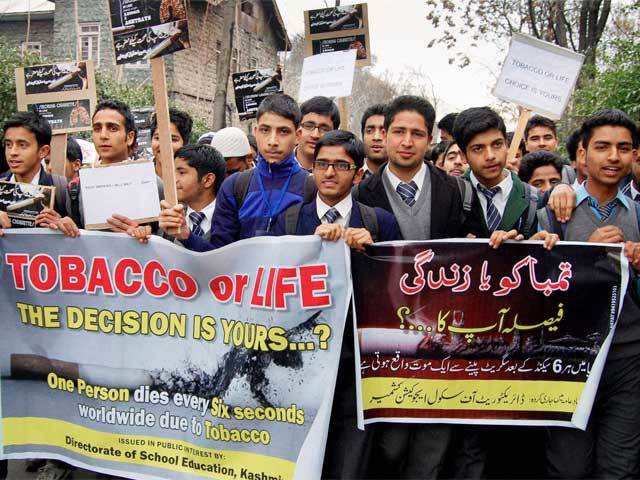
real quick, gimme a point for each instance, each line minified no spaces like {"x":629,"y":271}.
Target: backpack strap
{"x":291,"y":217}
{"x":241,"y":186}
{"x":370,"y":220}
{"x":466,"y":192}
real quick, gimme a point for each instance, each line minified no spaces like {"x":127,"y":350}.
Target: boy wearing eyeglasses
{"x":333,"y":214}
{"x":320,"y":115}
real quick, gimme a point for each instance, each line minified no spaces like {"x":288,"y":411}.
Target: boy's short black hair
{"x":377,"y":109}
{"x":572,"y":143}
{"x":521,"y":147}
{"x":182,"y":121}
{"x":538,"y":159}
{"x":446,"y":123}
{"x":280,"y":104}
{"x":410,"y":103}
{"x":124,"y":110}
{"x":32,"y":121}
{"x":438,"y":149}
{"x":252,"y":142}
{"x":610,"y":117}
{"x":540,"y":121}
{"x":74,"y":152}
{"x":346,"y":140}
{"x":474,"y":121}
{"x":205,"y":159}
{"x":322,"y":106}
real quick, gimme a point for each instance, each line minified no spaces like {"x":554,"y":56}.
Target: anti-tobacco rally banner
{"x":457,"y":332}
{"x":153,"y":361}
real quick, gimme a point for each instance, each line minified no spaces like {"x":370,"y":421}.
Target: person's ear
{"x":44,"y":151}
{"x":298,"y":135}
{"x":208,"y":180}
{"x":357,"y":178}
{"x":131,"y":138}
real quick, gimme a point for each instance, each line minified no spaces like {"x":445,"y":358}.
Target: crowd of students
{"x":304,"y":176}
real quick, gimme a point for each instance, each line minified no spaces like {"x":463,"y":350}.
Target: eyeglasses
{"x":310,"y":127}
{"x":339,"y":166}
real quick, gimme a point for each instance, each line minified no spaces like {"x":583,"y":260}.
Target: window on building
{"x":33,"y":47}
{"x":90,"y":42}
{"x":247,"y":7}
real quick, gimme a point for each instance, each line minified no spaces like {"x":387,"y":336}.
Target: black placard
{"x":23,"y":202}
{"x":60,"y":77}
{"x":252,"y":87}
{"x":335,"y":19}
{"x":64,"y":115}
{"x":326,"y":45}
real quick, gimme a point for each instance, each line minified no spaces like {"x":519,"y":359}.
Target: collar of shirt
{"x":343,"y":206}
{"x":98,"y":161}
{"x":418,"y":177}
{"x":34,"y":181}
{"x":208,"y":215}
{"x":634,"y":192}
{"x":500,"y":199}
{"x":582,"y":194}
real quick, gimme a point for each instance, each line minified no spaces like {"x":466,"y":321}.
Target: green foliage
{"x":10,"y":59}
{"x":135,"y":95}
{"x":200,"y":127}
{"x":615,"y":85}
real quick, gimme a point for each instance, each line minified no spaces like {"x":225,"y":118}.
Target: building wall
{"x":15,"y":32}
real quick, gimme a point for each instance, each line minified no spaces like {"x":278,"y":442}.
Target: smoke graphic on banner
{"x":156,"y":361}
{"x":457,"y":332}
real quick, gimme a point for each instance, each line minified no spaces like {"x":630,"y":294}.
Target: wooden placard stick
{"x":159,"y":79}
{"x":525,"y":114}
{"x":58,"y":156}
{"x":344,"y":113}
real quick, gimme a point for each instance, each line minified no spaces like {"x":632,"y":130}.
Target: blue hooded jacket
{"x":230,"y":224}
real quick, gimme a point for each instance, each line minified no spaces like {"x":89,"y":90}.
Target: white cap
{"x":231,"y":142}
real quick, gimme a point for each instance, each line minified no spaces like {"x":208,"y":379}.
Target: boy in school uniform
{"x":334,"y":214}
{"x":200,"y":171}
{"x":610,"y":446}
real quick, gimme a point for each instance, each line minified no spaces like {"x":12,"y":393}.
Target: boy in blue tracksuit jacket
{"x":249,"y":202}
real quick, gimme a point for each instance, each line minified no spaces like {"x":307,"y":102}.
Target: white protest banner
{"x":130,"y":189}
{"x":538,"y":75}
{"x":327,"y":74}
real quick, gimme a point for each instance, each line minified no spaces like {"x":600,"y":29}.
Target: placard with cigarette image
{"x":145,"y":29}
{"x":23,"y":202}
{"x":252,"y":87}
{"x":129,"y":189}
{"x":336,"y":29}
{"x":64,"y":93}
{"x":335,"y":19}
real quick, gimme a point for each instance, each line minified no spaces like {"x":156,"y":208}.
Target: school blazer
{"x":447,"y":220}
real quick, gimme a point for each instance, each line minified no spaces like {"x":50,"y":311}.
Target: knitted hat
{"x":231,"y":142}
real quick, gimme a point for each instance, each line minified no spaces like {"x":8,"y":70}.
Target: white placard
{"x":129,"y":189}
{"x":538,"y":75}
{"x":328,"y":74}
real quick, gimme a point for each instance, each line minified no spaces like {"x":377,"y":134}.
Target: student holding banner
{"x":249,"y":202}
{"x":610,"y":447}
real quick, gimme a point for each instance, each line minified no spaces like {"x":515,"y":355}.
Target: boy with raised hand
{"x":319,"y":115}
{"x":200,"y":171}
{"x":333,"y":214}
{"x":180,"y":126}
{"x":610,"y":447}
{"x":249,"y":202}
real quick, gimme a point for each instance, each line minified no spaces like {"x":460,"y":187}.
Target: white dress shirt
{"x":500,"y":198}
{"x":205,"y":225}
{"x":34,"y":181}
{"x":343,"y":206}
{"x":418,"y":178}
{"x":634,"y":192}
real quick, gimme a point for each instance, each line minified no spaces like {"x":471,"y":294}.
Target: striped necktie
{"x":493,"y":216}
{"x":407,"y":192}
{"x":196,"y":219}
{"x":332,"y":215}
{"x":605,"y":210}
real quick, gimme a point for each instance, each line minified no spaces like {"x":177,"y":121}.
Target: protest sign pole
{"x":525,"y":114}
{"x":159,"y":79}
{"x":344,"y":113}
{"x":58,"y":155}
